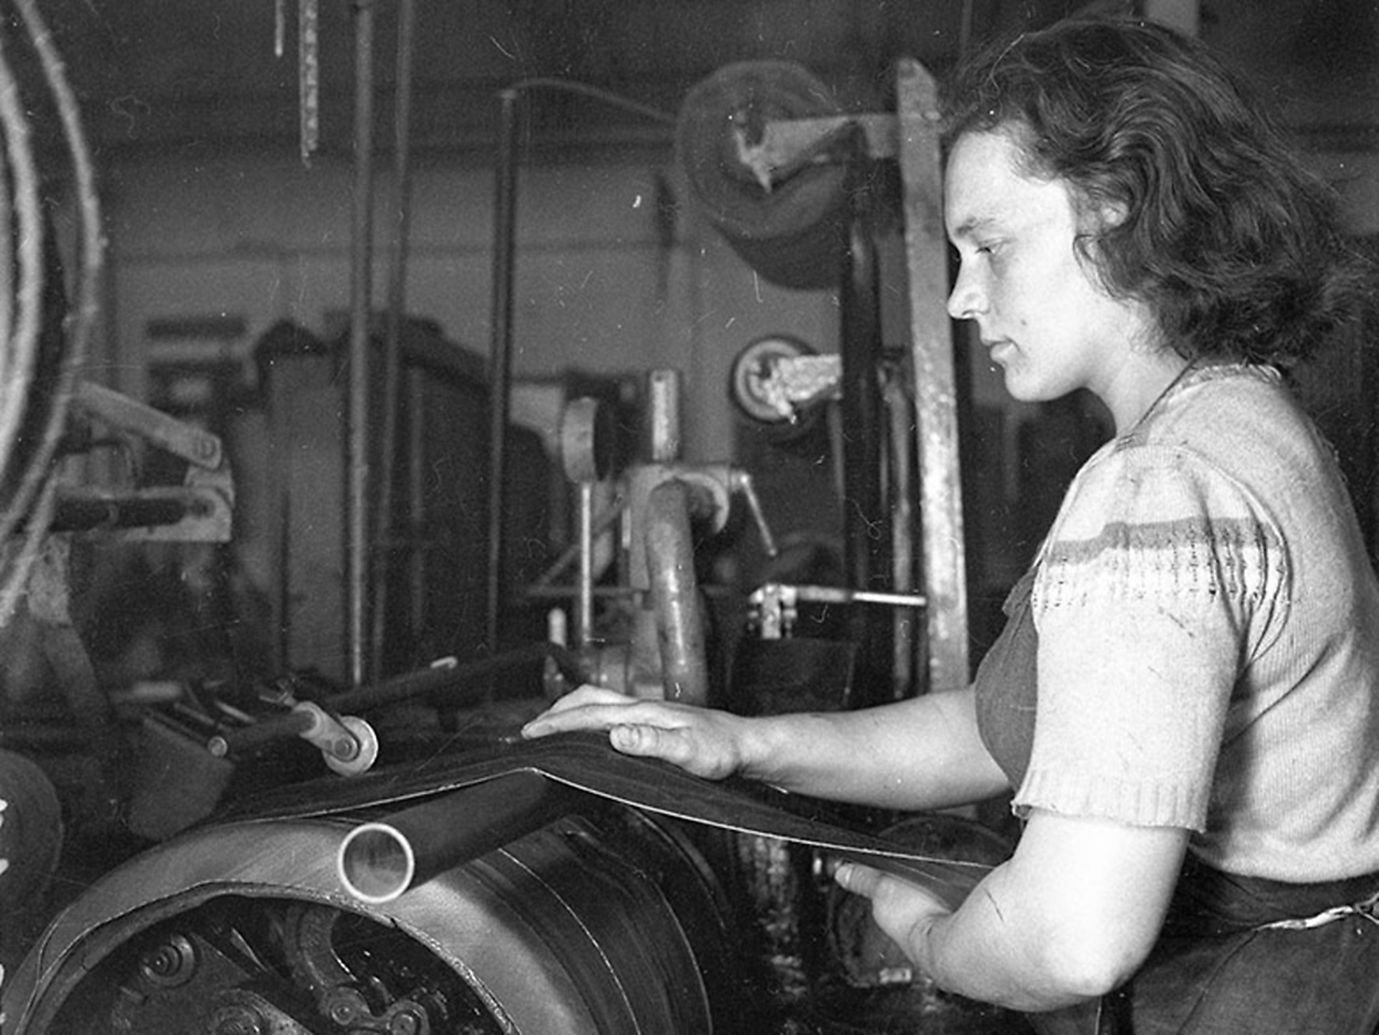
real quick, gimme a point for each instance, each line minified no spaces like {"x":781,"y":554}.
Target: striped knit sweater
{"x":1208,"y":638}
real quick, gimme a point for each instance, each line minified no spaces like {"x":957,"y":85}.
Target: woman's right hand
{"x":701,"y":741}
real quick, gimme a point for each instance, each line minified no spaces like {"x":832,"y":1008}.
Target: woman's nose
{"x":966,"y":299}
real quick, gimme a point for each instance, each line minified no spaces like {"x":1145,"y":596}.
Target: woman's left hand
{"x":1069,"y":917}
{"x":904,"y":911}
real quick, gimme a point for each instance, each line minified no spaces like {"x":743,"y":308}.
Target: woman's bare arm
{"x":1068,"y":918}
{"x":922,"y":753}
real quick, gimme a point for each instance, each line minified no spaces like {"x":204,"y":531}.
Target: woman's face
{"x":1038,"y":306}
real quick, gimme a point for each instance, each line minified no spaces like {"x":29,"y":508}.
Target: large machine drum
{"x":603,"y":922}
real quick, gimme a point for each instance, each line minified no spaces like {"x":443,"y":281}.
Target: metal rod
{"x":81,"y":515}
{"x":397,"y":307}
{"x":584,"y":602}
{"x":837,"y":595}
{"x":361,"y":291}
{"x":461,"y":685}
{"x":380,"y":860}
{"x":449,"y":678}
{"x":866,"y":524}
{"x":280,"y":727}
{"x":602,"y":523}
{"x":500,"y":354}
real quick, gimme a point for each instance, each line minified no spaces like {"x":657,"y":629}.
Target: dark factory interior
{"x":386,"y":369}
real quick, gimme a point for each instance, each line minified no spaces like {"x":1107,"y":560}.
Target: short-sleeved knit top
{"x":1197,"y":641}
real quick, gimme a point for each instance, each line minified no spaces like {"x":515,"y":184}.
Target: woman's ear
{"x":1104,"y":214}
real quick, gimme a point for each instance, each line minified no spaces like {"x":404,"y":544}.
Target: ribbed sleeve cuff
{"x":1137,"y":802}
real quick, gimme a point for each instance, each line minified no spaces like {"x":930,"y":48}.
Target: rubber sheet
{"x":585,"y":761}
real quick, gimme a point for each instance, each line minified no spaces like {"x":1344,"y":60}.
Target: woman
{"x":1185,"y":699}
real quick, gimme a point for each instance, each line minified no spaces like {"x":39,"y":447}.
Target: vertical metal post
{"x":397,"y":307}
{"x":900,"y":493}
{"x":866,"y":523}
{"x":935,"y":392}
{"x":500,"y":354}
{"x":418,"y":608}
{"x":663,"y":416}
{"x":584,"y":599}
{"x":361,"y":291}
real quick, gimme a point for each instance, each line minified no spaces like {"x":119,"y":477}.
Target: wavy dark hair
{"x":1232,"y":243}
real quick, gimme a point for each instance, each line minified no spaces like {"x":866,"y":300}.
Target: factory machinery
{"x":384,"y":854}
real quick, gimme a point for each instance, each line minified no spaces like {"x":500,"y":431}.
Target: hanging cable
{"x":36,"y":483}
{"x":17,"y":358}
{"x":598,"y":93}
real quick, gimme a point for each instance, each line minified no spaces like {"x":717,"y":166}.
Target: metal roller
{"x":382,"y":859}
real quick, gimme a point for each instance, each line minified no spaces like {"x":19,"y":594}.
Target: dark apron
{"x":1235,"y":956}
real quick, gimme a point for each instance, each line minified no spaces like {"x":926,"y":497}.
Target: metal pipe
{"x":361,"y":292}
{"x":674,"y":591}
{"x":500,"y":350}
{"x":380,"y":860}
{"x":397,"y":305}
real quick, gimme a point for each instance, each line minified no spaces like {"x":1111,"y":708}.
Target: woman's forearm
{"x":922,"y":753}
{"x":1069,"y":918}
{"x":990,"y":950}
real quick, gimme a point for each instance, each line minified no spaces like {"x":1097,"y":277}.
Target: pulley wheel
{"x":368,"y":748}
{"x":792,"y":232}
{"x":586,"y":441}
{"x":752,"y":380}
